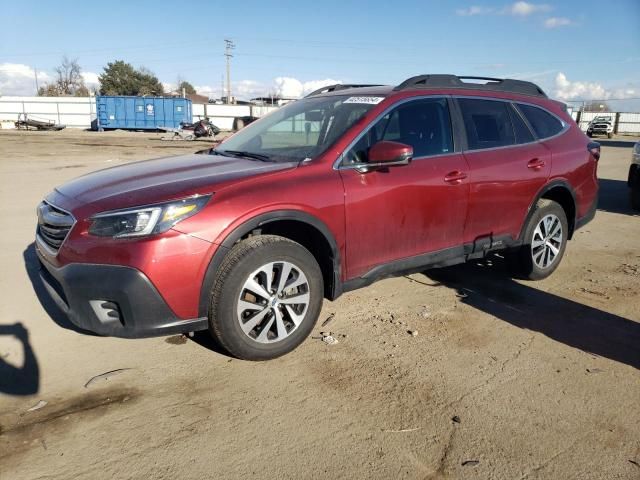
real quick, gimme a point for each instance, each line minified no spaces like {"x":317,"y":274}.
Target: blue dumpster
{"x":141,"y":113}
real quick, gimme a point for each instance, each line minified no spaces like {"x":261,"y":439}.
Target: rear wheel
{"x":266,"y":299}
{"x":545,"y":240}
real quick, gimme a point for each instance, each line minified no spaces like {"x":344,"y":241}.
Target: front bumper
{"x":112,"y":300}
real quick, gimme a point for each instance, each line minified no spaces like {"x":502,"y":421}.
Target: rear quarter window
{"x":543,"y":123}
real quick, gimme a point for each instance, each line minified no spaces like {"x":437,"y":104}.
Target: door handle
{"x":535,"y":164}
{"x":455,"y":177}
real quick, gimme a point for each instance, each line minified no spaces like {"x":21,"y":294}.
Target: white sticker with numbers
{"x":367,"y":100}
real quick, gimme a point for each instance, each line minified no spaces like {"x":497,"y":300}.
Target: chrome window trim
{"x":41,"y":241}
{"x":336,"y":164}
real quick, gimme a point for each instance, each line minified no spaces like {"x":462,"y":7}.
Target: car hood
{"x":151,"y":181}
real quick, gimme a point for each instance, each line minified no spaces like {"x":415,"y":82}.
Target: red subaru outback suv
{"x":327,"y":194}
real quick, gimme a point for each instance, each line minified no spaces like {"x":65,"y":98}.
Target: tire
{"x":609,"y":135}
{"x":277,"y":324}
{"x":589,"y":134}
{"x":540,"y":255}
{"x":634,"y":197}
{"x":239,"y":124}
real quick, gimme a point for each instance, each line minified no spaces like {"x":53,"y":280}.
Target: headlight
{"x":137,"y":222}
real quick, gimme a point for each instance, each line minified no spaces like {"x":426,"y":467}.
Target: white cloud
{"x":556,"y":22}
{"x":19,"y":79}
{"x":289,"y":87}
{"x":524,"y":9}
{"x":568,"y":90}
{"x":91,"y":79}
{"x":207,"y":90}
{"x":517,"y":9}
{"x":246,"y":89}
{"x":474,"y":10}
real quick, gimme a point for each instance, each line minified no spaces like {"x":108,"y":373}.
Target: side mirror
{"x":387,"y":154}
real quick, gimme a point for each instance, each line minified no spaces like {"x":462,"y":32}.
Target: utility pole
{"x":228,"y":46}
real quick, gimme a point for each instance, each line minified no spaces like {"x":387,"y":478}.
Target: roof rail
{"x":454,"y":81}
{"x":339,"y":86}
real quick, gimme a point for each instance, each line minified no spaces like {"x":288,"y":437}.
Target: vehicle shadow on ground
{"x":487,"y":286}
{"x":32,"y":267}
{"x":204,"y":339}
{"x":615,"y":143}
{"x":24,"y":380}
{"x":614,"y":197}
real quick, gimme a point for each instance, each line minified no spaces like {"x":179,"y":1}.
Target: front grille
{"x":54,"y":225}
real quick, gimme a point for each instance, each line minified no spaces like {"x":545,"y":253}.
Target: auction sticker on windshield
{"x":367,"y":100}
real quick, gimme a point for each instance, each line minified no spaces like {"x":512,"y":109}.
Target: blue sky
{"x":290,"y":46}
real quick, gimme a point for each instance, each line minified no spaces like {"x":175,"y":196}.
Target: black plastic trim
{"x":454,"y":81}
{"x":254,"y":224}
{"x":545,"y":189}
{"x":340,"y":86}
{"x":591,"y":213}
{"x":441,"y":258}
{"x":144,"y":313}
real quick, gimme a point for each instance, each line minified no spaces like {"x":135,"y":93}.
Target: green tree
{"x":120,"y":78}
{"x":188,"y":88}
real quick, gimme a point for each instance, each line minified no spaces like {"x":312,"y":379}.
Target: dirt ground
{"x":504,"y":379}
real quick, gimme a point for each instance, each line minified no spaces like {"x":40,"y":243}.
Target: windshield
{"x":299,"y":130}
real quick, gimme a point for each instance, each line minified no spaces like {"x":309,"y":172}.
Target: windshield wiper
{"x":240,"y":153}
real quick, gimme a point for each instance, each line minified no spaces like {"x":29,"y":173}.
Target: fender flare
{"x":553,"y":184}
{"x":254,"y":223}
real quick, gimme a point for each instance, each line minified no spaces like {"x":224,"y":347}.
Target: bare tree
{"x":69,"y":81}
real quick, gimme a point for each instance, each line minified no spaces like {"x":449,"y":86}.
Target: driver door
{"x":400,"y":212}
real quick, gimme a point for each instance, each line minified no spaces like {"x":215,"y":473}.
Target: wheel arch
{"x":559,"y":191}
{"x":301,"y":227}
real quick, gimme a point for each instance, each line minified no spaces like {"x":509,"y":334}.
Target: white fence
{"x":78,"y":112}
{"x":623,"y":123}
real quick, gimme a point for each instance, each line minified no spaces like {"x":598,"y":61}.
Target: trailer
{"x":29,"y":122}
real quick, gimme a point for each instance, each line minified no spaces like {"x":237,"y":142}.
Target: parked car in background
{"x":634,"y":177}
{"x":600,"y":126}
{"x":325,"y":195}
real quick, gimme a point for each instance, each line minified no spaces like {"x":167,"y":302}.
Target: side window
{"x":487,"y":122}
{"x":423,"y":124}
{"x":523,"y":134}
{"x":544,"y":124}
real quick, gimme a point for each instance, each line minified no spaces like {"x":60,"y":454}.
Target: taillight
{"x":594,"y":149}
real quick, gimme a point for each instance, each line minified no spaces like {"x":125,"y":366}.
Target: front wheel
{"x":266,"y":298}
{"x":545,"y":240}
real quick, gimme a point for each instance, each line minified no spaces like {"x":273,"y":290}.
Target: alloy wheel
{"x":547,"y":241}
{"x":273,"y":302}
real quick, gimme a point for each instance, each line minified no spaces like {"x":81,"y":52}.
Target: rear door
{"x":507,"y":168}
{"x":405,"y":211}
